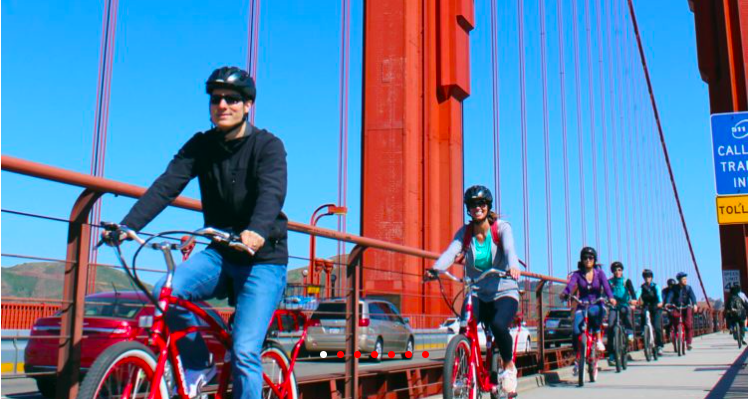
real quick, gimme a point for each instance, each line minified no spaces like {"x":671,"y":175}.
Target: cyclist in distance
{"x":649,"y":295}
{"x":683,"y":295}
{"x":624,"y":293}
{"x":591,"y":284}
{"x":486,"y":242}
{"x":241,"y":171}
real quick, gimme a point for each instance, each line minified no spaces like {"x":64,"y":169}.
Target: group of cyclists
{"x":243,"y":180}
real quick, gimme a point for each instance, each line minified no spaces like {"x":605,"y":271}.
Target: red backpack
{"x":467,"y":235}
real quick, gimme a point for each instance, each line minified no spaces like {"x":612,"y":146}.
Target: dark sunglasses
{"x":230,"y":99}
{"x":588,"y":257}
{"x":475,"y":204}
{"x":618,"y":269}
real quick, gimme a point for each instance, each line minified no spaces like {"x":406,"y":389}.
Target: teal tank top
{"x":483,"y":251}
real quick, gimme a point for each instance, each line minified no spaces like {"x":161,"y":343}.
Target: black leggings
{"x":498,"y":315}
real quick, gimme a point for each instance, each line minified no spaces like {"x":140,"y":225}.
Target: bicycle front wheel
{"x":618,"y":348}
{"x":581,"y":360}
{"x":124,"y":370}
{"x":458,"y":374}
{"x":279,"y":381}
{"x":647,"y":343}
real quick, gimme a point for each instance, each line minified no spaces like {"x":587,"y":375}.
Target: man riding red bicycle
{"x":242,"y":175}
{"x":682,"y":297}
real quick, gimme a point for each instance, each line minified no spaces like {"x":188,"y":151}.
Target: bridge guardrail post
{"x":540,"y":328}
{"x":353,"y":276}
{"x":73,"y":297}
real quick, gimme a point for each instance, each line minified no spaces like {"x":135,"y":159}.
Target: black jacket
{"x":242,"y":187}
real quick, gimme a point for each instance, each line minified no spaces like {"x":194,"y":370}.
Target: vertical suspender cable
{"x":495,"y":105}
{"x":615,"y":154}
{"x":252,"y":46}
{"x":581,"y":165}
{"x":594,"y":148}
{"x":99,"y":142}
{"x":547,"y":173}
{"x":604,"y":138}
{"x":524,"y":141}
{"x":624,"y":130}
{"x":343,"y":126}
{"x":663,"y":146}
{"x":565,"y":155}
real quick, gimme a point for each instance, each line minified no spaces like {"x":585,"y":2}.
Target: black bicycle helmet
{"x":478,"y":193}
{"x":616,"y":265}
{"x":232,"y":78}
{"x":680,"y":275}
{"x":589,"y":251}
{"x":671,"y":282}
{"x":647,"y":273}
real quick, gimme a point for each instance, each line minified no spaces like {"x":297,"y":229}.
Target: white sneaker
{"x":197,"y":379}
{"x":600,"y":347}
{"x":509,"y":378}
{"x":574,"y":368}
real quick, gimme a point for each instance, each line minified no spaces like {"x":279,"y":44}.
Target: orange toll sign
{"x":732,"y":209}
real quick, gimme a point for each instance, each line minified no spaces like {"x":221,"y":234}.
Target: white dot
{"x":323,"y":354}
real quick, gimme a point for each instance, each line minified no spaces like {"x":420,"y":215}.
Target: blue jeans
{"x":258,"y":290}
{"x":595,"y":318}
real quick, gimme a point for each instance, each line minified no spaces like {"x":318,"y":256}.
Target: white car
{"x":452,"y":325}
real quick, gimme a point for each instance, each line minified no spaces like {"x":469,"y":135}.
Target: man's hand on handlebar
{"x":431,"y":274}
{"x":613,"y":301}
{"x":515,"y":273}
{"x":113,"y":234}
{"x":252,"y":240}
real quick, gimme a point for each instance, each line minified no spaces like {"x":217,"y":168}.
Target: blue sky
{"x":165,"y":50}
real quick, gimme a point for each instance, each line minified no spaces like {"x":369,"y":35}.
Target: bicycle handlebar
{"x":485,"y":274}
{"x":215,"y":235}
{"x":588,"y":303}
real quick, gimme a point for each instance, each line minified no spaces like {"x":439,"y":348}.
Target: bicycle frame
{"x":590,"y":339}
{"x":469,"y":328}
{"x":165,"y":340}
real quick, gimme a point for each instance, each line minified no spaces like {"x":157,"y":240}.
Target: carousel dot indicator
{"x":374,"y":355}
{"x":391,"y":354}
{"x":425,"y":354}
{"x":340,"y":354}
{"x":323,"y":354}
{"x":408,"y":354}
{"x":357,"y":354}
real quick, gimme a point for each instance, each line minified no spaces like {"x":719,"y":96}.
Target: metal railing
{"x":421,"y":380}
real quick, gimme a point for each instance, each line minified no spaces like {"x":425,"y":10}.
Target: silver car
{"x":381,"y":329}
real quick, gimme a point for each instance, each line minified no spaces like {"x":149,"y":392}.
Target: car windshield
{"x":331,"y":311}
{"x":112,"y":307}
{"x":559,"y":314}
{"x":448,"y":322}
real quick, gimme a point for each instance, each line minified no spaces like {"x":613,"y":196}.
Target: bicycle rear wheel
{"x":459,"y":375}
{"x":123,"y":370}
{"x":279,"y":382}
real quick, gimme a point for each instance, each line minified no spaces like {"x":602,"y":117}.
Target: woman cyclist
{"x":590,"y":283}
{"x":487,"y":242}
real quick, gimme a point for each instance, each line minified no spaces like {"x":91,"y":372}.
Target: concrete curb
{"x":543,"y":379}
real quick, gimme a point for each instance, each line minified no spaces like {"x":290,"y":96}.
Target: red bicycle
{"x":586,"y":350}
{"x":466,"y":376}
{"x":678,"y":336}
{"x":132,"y":370}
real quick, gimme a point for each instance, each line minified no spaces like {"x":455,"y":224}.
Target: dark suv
{"x":558,"y":327}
